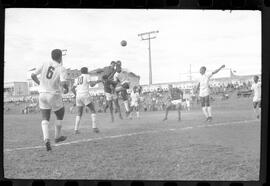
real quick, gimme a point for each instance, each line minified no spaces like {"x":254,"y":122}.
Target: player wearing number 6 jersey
{"x":52,"y":79}
{"x":83,"y":98}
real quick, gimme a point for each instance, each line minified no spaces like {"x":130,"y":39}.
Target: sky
{"x":92,"y":38}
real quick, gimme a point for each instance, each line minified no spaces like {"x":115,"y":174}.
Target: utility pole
{"x":148,"y":37}
{"x":190,"y":77}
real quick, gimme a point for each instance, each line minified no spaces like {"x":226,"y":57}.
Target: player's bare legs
{"x":78,"y":119}
{"x":46,"y":114}
{"x":168,"y":108}
{"x":137,"y":112}
{"x":58,"y":125}
{"x":178,"y":107}
{"x":207,"y":111}
{"x":110,"y":104}
{"x":93,"y":117}
{"x":131,"y":111}
{"x":257,"y":109}
{"x":123,"y":92}
{"x":118,"y":108}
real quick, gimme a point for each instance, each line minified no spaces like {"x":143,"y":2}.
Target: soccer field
{"x":228,"y":148}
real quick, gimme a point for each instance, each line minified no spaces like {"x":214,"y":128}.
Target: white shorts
{"x":176,"y":102}
{"x":110,"y":96}
{"x":134,"y":104}
{"x":50,"y":101}
{"x":83,"y":100}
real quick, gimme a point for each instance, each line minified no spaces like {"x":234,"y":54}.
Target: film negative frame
{"x":261,"y":5}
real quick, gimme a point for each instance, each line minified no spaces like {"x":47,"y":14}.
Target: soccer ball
{"x":123,"y":43}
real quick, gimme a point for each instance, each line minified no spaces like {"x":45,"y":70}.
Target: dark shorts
{"x":205,"y":101}
{"x":257,"y":104}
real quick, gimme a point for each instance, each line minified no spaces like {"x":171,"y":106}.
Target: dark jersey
{"x":109,"y":85}
{"x":175,"y":94}
{"x":109,"y":72}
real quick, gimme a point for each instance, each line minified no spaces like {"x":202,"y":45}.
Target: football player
{"x":109,"y":90}
{"x":122,"y":86}
{"x":256,"y":88}
{"x":204,"y":91}
{"x":52,"y":80}
{"x":81,"y":92}
{"x":134,"y":104}
{"x":174,"y":99}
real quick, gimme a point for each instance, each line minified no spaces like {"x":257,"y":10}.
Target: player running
{"x":52,"y":79}
{"x":204,"y":94}
{"x":174,"y":99}
{"x":256,"y":88}
{"x":81,"y":91}
{"x":123,"y":85}
{"x":134,"y":104}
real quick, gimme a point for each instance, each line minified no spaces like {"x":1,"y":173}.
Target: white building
{"x":16,"y":89}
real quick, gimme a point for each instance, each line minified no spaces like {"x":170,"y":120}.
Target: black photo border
{"x":262,"y":5}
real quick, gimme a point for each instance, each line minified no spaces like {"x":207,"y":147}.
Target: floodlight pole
{"x":148,"y":34}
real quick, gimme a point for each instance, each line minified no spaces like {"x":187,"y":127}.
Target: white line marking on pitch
{"x":132,"y":134}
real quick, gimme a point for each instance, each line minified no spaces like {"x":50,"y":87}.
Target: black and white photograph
{"x":132,"y":94}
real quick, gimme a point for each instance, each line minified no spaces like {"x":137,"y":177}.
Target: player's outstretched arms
{"x":35,"y":79}
{"x":93,"y":83}
{"x":216,"y":71}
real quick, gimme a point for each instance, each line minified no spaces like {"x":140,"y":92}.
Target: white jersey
{"x":82,"y":84}
{"x":120,"y":77}
{"x":256,"y":87}
{"x":204,"y":85}
{"x":135,"y":97}
{"x":52,"y":73}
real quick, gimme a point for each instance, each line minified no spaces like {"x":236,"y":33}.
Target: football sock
{"x":138,"y":114}
{"x":126,"y":105}
{"x":77,"y":122}
{"x":167,"y":112}
{"x":94,"y":125}
{"x":58,"y":126}
{"x":179,"y":115}
{"x":209,"y":110}
{"x":45,"y":129}
{"x":204,"y":109}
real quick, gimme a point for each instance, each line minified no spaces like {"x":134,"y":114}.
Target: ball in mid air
{"x":123,"y":43}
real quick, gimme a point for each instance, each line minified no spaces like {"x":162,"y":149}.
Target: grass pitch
{"x":228,"y":148}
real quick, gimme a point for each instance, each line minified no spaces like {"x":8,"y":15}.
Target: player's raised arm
{"x":63,"y":80}
{"x":216,"y":71}
{"x":34,"y":74}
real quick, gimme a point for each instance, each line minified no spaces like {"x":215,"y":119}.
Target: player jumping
{"x":203,"y":87}
{"x":51,"y":81}
{"x":256,"y":88}
{"x":109,"y":90}
{"x":81,"y":91}
{"x":175,"y":98}
{"x":122,"y":86}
